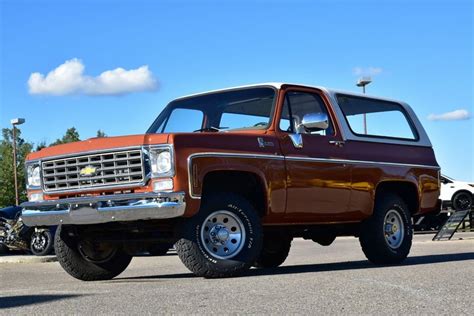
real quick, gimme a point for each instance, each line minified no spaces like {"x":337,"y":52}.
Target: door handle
{"x":337,"y":143}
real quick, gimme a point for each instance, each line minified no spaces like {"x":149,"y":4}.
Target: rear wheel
{"x":223,"y":239}
{"x":89,"y":260}
{"x":274,"y":251}
{"x":386,"y":236}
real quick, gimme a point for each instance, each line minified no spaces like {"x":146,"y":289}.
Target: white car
{"x":456,"y":194}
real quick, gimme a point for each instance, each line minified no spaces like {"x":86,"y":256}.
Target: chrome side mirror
{"x":313,"y":122}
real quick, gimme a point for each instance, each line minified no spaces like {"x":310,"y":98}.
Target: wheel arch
{"x":406,"y":190}
{"x":246,"y":183}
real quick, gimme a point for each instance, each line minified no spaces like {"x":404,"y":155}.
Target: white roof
{"x":278,"y":85}
{"x":347,"y":134}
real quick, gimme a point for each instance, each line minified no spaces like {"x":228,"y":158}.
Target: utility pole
{"x":15,"y":122}
{"x":362,"y":82}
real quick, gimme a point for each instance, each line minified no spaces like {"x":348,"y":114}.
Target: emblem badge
{"x":88,"y":171}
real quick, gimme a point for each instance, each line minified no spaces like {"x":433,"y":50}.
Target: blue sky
{"x":416,"y":51}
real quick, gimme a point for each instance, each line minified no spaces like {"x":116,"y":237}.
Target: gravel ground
{"x":437,"y":278}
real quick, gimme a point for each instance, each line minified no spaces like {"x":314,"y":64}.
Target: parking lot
{"x":437,"y":278}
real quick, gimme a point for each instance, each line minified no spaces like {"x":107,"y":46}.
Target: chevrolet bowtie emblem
{"x":88,"y":171}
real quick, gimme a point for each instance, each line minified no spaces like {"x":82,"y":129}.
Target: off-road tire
{"x":74,"y":263}
{"x":274,"y":252}
{"x":201,"y":262}
{"x":372,"y":235}
{"x":48,"y":248}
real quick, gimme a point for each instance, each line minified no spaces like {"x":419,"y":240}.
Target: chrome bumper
{"x":104,"y":209}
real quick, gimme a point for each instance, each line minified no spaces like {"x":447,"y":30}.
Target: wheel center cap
{"x":223,"y":234}
{"x":219,"y":234}
{"x":394,"y":228}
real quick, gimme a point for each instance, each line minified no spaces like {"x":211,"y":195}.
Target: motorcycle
{"x":16,"y":236}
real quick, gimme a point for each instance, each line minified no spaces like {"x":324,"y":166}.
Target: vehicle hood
{"x":96,"y":144}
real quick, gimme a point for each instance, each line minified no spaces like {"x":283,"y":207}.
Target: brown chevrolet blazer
{"x":232,"y":176}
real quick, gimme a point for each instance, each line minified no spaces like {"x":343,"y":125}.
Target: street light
{"x":362,"y":82}
{"x":15,"y":122}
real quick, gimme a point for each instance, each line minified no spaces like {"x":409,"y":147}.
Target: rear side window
{"x":376,"y":118}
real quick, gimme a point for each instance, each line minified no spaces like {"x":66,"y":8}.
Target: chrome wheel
{"x":223,"y":234}
{"x":394,"y":229}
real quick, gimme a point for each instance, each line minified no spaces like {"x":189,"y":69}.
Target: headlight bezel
{"x":154,"y":153}
{"x":33,"y":175}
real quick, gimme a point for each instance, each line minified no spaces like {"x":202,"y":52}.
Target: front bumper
{"x":104,"y":209}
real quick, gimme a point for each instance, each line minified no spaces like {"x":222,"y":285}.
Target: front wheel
{"x":223,"y":239}
{"x":462,"y":201}
{"x":386,"y":236}
{"x":41,"y":243}
{"x":89,"y":260}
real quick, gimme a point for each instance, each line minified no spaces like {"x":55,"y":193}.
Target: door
{"x":318,"y":180}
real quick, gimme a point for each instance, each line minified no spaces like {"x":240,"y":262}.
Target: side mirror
{"x":313,"y":122}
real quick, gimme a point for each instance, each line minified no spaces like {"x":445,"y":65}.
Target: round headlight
{"x":34,"y":176}
{"x":161,"y":163}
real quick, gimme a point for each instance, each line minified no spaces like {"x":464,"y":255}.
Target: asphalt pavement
{"x":438,"y":277}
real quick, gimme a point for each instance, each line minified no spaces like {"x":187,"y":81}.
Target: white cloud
{"x":450,"y":116}
{"x":69,"y":78}
{"x":367,"y":71}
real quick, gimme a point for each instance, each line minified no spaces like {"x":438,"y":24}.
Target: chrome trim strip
{"x":365,"y":162}
{"x":102,"y":209}
{"x":291,"y":158}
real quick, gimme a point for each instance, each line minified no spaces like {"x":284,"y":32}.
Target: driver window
{"x":297,"y":105}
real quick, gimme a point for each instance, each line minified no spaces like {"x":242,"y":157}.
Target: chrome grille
{"x":98,"y":170}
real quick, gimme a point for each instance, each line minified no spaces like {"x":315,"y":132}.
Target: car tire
{"x":87,"y":265}
{"x":223,"y":239}
{"x":462,"y":201}
{"x":274,"y":252}
{"x":386,"y":236}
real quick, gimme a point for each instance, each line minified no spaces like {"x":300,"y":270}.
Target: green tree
{"x":101,"y":133}
{"x":7,"y":183}
{"x":72,"y":135}
{"x":41,"y":145}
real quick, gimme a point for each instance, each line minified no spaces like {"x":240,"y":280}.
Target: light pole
{"x":362,"y":82}
{"x":15,"y":122}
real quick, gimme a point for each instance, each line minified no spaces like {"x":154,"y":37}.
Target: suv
{"x":456,"y":194}
{"x":232,"y":176}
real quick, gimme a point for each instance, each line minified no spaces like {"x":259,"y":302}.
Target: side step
{"x":451,"y":226}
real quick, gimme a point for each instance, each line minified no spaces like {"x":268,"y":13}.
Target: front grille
{"x":93,"y":170}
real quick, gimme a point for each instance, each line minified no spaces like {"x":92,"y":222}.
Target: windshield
{"x":249,"y":108}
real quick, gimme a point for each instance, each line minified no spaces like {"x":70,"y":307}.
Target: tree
{"x":71,"y":135}
{"x":41,"y":145}
{"x":101,"y":133}
{"x":7,"y":183}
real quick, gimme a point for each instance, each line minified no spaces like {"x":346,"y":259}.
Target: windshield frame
{"x":165,"y":113}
